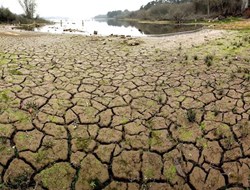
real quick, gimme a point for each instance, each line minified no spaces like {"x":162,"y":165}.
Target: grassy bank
{"x":230,"y":23}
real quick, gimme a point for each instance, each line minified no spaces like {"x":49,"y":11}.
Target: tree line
{"x":29,"y":8}
{"x":180,"y":10}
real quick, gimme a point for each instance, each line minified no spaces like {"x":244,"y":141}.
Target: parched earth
{"x":114,"y":113}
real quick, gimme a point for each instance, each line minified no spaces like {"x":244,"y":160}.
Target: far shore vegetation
{"x":185,"y":11}
{"x":27,"y":21}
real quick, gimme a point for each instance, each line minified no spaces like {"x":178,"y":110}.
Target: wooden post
{"x":208,"y":7}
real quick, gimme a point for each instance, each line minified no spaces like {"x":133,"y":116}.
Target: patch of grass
{"x":15,"y":72}
{"x":234,"y":110}
{"x":48,"y":144}
{"x":155,"y":138}
{"x":160,"y":99}
{"x":82,"y":143}
{"x":180,"y":47}
{"x":239,"y":70}
{"x":4,"y":61}
{"x":220,"y":92}
{"x":21,"y":116}
{"x":40,"y":156}
{"x":149,"y":123}
{"x":90,"y":111}
{"x":229,"y":140}
{"x":237,"y":177}
{"x":244,"y":130}
{"x":232,"y":76}
{"x":123,"y":162}
{"x":95,"y":184}
{"x":4,"y":96}
{"x":22,"y":136}
{"x":57,"y":176}
{"x":158,"y":59}
{"x":222,"y":131}
{"x":54,"y":119}
{"x":208,"y":84}
{"x":209,"y":60}
{"x":4,"y":150}
{"x":195,"y":57}
{"x":124,"y":120}
{"x":216,"y":112}
{"x":157,"y":50}
{"x":3,"y":186}
{"x":201,"y":142}
{"x":149,"y":174}
{"x":185,"y":134}
{"x":21,"y":181}
{"x":219,"y":44}
{"x":28,"y":27}
{"x":191,"y":115}
{"x":3,"y":140}
{"x":203,"y":126}
{"x":170,"y":173}
{"x":32,"y":107}
{"x":247,"y":77}
{"x":246,"y":71}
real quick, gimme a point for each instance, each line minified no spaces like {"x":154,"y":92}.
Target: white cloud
{"x":76,"y":8}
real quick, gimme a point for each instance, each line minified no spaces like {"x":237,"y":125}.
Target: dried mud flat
{"x":86,"y":113}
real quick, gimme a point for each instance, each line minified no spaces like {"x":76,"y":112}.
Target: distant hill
{"x":56,"y":18}
{"x":100,"y":17}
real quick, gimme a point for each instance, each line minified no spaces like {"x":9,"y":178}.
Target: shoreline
{"x":189,"y":37}
{"x":170,"y":41}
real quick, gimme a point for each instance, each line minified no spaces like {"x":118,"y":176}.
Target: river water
{"x":115,"y":27}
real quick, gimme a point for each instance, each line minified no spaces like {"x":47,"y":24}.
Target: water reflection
{"x":88,"y":27}
{"x":151,"y":29}
{"x":116,"y":27}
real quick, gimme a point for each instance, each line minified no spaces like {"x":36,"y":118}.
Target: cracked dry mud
{"x":86,"y":113}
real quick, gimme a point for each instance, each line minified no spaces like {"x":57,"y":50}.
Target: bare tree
{"x":208,"y":7}
{"x":245,"y":4}
{"x":29,"y":7}
{"x":179,"y":12}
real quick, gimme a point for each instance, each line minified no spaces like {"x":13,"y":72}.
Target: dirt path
{"x":81,"y":112}
{"x":186,"y":40}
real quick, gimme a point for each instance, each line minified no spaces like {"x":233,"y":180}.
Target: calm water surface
{"x":116,"y":27}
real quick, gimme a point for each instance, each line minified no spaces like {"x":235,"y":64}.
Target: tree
{"x":179,"y":12}
{"x":245,"y":4}
{"x":29,"y":7}
{"x":6,"y":15}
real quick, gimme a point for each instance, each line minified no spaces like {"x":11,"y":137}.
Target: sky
{"x":76,"y":8}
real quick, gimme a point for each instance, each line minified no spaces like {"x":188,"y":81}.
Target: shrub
{"x":208,"y":60}
{"x":191,"y":115}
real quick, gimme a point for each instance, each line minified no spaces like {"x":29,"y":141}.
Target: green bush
{"x":6,"y":16}
{"x":191,"y":115}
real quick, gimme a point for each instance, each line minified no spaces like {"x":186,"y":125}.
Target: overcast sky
{"x":76,"y":8}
